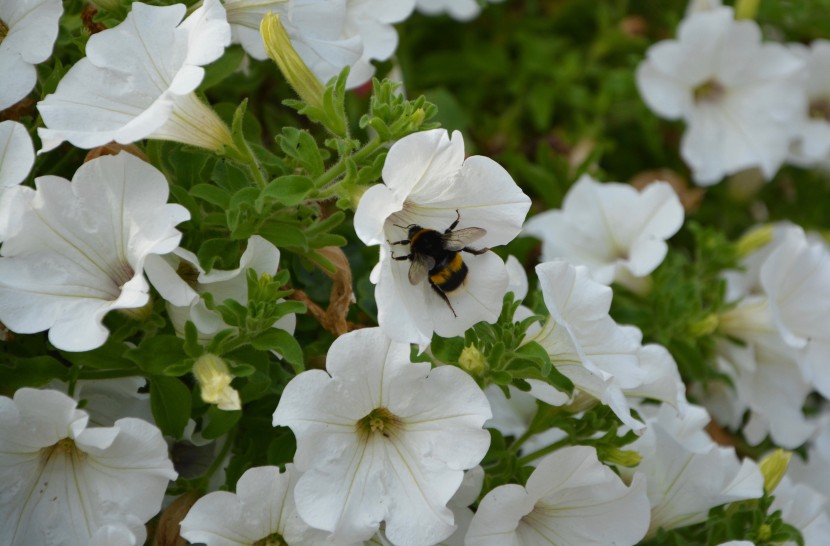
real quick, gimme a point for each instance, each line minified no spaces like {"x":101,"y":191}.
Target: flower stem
{"x":543,"y":451}
{"x":247,"y":159}
{"x":217,"y":463}
{"x":327,"y":182}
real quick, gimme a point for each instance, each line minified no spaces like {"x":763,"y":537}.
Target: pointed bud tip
{"x":774,"y":467}
{"x":279,"y":48}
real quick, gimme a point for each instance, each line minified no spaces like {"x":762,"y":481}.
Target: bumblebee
{"x":436,"y":256}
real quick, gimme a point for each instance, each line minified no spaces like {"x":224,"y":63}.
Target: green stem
{"x":544,"y":451}
{"x":220,"y":458}
{"x":514,"y":447}
{"x":247,"y":159}
{"x":327,"y":182}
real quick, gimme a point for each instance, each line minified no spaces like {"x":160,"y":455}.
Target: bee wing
{"x":457,"y":240}
{"x":420,"y":267}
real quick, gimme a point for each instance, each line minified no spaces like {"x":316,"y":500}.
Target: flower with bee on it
{"x":433,"y":205}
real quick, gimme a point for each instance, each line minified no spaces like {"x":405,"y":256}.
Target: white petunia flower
{"x":615,"y":230}
{"x":571,"y":499}
{"x":382,"y":439}
{"x":428,"y":183}
{"x":741,"y":98}
{"x":764,"y":371}
{"x":180,"y":280}
{"x":511,"y":416}
{"x":108,"y":400}
{"x":315,"y":28}
{"x":262,"y":508}
{"x":17,"y":155}
{"x":812,"y":140}
{"x":661,"y":378}
{"x":583,"y":341}
{"x":371,"y":21}
{"x":796,"y":279}
{"x":28,"y":30}
{"x":686,"y":472}
{"x":64,"y":482}
{"x":81,"y":247}
{"x":137,"y":82}
{"x":460,"y":10}
{"x":805,"y":509}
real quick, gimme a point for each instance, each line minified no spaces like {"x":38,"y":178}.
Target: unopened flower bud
{"x":746,"y":9}
{"x":621,"y":457}
{"x":472,"y":360}
{"x":417,"y":117}
{"x":704,"y":326}
{"x":279,"y":49}
{"x":773,"y":468}
{"x":215,"y":378}
{"x":754,"y":240}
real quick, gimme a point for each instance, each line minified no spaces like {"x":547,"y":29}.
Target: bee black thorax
{"x":449,"y":270}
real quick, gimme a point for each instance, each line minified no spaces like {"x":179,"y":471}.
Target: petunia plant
{"x":413,"y":273}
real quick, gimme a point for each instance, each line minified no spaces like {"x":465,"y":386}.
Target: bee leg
{"x":476,"y":251}
{"x":457,"y":219}
{"x":444,"y":297}
{"x":401,"y":242}
{"x":404,"y":257}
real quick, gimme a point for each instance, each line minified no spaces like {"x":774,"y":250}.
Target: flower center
{"x":379,"y":421}
{"x":274,"y":539}
{"x":64,"y":448}
{"x":711,"y":91}
{"x":820,"y":109}
{"x":4,"y":30}
{"x":122,"y":274}
{"x":188,"y":274}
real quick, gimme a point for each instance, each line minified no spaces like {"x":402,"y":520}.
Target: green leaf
{"x":284,"y":235}
{"x":283,"y":343}
{"x":214,"y":250}
{"x":219,"y":422}
{"x":302,"y":147}
{"x":212,"y":194}
{"x":31,"y":372}
{"x":447,"y":349}
{"x":282,"y":448}
{"x":220,"y":69}
{"x":170,"y":403}
{"x":109,"y":356}
{"x":155,"y":354}
{"x":288,"y":190}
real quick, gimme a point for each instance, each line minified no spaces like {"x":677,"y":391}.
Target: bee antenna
{"x":396,"y":225}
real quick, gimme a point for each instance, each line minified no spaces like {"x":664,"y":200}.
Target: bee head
{"x":411,"y":229}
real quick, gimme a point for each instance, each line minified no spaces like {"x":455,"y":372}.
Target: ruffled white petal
{"x":570,"y":499}
{"x":81,"y":247}
{"x":755,"y":105}
{"x":17,"y":155}
{"x":611,"y":228}
{"x":32,"y":31}
{"x":136,"y":79}
{"x":354,"y":479}
{"x":61,"y":477}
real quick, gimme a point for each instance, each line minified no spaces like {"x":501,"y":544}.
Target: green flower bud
{"x":754,"y":240}
{"x":279,"y":49}
{"x":472,"y":360}
{"x":621,"y":457}
{"x":704,"y":326}
{"x":746,"y":9}
{"x":773,"y":468}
